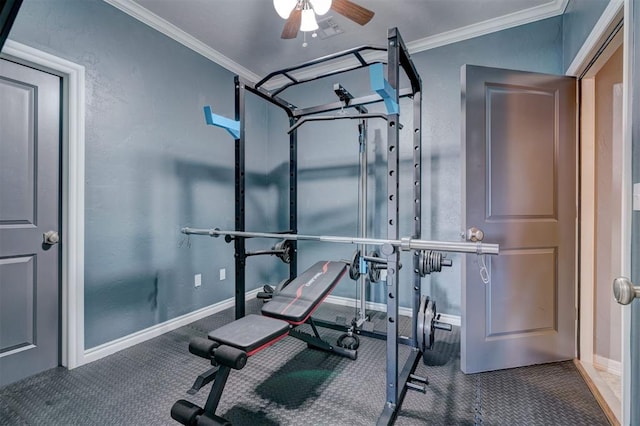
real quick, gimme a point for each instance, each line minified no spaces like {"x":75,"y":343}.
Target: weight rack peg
{"x":282,"y":250}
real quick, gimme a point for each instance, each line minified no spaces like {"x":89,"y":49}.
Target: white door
{"x":519,"y":138}
{"x":29,"y":208}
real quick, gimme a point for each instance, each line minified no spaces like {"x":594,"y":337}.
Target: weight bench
{"x":229,"y":346}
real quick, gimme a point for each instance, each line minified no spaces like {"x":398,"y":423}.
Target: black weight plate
{"x":354,"y":266}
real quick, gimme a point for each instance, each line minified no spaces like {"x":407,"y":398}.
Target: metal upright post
{"x":293,"y":196}
{"x":363,"y":202}
{"x":240,"y":253}
{"x":417,"y":205}
{"x":393,"y":165}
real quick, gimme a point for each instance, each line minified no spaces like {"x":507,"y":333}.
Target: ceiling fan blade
{"x":352,"y":11}
{"x":292,"y":25}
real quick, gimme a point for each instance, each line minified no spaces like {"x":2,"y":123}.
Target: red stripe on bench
{"x":269,"y":343}
{"x":324,"y":268}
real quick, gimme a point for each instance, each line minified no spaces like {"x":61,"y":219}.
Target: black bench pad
{"x":250,"y":333}
{"x":301,"y":296}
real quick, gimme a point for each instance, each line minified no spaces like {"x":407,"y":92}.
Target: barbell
{"x":404,"y":244}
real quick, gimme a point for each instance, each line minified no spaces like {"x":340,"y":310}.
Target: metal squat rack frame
{"x":397,"y":59}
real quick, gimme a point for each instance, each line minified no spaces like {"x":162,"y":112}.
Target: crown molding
{"x":149,"y":18}
{"x":548,"y":10}
{"x":130,"y":7}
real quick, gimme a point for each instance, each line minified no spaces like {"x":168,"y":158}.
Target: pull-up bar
{"x":337,"y":117}
{"x":405,"y":244}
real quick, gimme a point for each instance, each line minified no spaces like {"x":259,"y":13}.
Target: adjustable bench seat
{"x":296,"y":302}
{"x":251,"y":333}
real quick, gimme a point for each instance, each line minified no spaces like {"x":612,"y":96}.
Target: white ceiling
{"x":244,"y":35}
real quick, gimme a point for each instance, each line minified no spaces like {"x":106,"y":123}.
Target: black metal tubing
{"x":239,"y":243}
{"x":286,"y":71}
{"x":397,"y":383}
{"x":293,"y":197}
{"x":407,"y":341}
{"x":336,"y":117}
{"x":417,"y":204}
{"x":263,"y":252}
{"x":354,"y":103}
{"x":393,"y":215}
{"x":203,"y":380}
{"x":390,"y":412}
{"x":275,"y":100}
{"x":405,"y":60}
{"x":216,"y":390}
{"x":8,"y":13}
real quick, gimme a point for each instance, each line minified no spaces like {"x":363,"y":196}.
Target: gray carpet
{"x":288,"y":384}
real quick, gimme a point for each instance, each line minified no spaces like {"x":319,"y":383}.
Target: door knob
{"x":474,"y":234}
{"x":623,"y":291}
{"x":51,"y":237}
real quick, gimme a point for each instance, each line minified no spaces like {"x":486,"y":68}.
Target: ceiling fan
{"x":300,"y":14}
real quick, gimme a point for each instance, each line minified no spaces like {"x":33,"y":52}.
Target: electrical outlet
{"x":197,"y":280}
{"x":223,"y":274}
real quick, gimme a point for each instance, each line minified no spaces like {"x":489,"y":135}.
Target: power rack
{"x":387,"y":91}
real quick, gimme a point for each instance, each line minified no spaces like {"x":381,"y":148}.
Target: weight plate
{"x":420,"y":319}
{"x":429,"y":329}
{"x":285,"y":246}
{"x":354,"y":266}
{"x":421,"y":269}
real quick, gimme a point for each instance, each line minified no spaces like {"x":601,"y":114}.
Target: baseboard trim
{"x":125,"y":342}
{"x":608,"y":365}
{"x":600,"y":390}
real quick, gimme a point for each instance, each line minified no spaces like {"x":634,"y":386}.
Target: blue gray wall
{"x":577,"y":22}
{"x":152,"y":165}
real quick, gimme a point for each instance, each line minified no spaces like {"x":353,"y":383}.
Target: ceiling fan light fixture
{"x":308,"y":21}
{"x":321,"y":6}
{"x":284,"y":7}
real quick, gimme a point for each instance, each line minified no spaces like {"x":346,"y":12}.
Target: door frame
{"x":616,"y":10}
{"x":72,"y":169}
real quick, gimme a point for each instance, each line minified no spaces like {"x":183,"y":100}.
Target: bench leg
{"x":203,"y":379}
{"x":315,"y":341}
{"x":216,"y":390}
